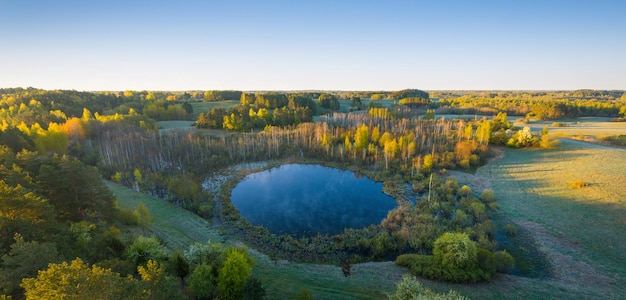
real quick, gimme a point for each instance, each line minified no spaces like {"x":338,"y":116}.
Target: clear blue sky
{"x":294,"y":45}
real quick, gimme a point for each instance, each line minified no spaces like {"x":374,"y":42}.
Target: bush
{"x":487,"y":261}
{"x":409,"y":288}
{"x":455,"y":251}
{"x":504,"y":261}
{"x":510,"y":230}
{"x":427,"y":266}
{"x":488,"y":196}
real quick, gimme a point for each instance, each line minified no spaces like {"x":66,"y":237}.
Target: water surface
{"x":304,"y":200}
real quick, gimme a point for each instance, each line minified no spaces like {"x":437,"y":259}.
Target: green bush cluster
{"x":457,"y":259}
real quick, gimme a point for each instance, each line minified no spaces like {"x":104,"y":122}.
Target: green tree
{"x":202,"y":282}
{"x":76,"y":190}
{"x":455,"y":251}
{"x":504,"y":261}
{"x":253,"y":289}
{"x":142,"y":214}
{"x":430,"y":115}
{"x":23,"y":261}
{"x":328,"y":101}
{"x":24,"y":212}
{"x":144,"y":249}
{"x":232,"y":276}
{"x":179,"y":265}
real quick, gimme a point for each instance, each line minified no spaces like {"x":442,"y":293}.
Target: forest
{"x":62,"y":232}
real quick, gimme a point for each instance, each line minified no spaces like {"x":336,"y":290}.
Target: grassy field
{"x":207,"y":106}
{"x":596,"y":127}
{"x":169,"y":125}
{"x":579,"y":229}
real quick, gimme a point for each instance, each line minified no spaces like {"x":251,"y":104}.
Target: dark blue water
{"x":303,"y":200}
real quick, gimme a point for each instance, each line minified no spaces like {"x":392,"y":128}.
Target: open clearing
{"x":589,"y":126}
{"x":580,"y":230}
{"x":204,"y":107}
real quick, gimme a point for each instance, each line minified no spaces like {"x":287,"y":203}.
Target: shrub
{"x":510,"y":230}
{"x":455,"y":251}
{"x":409,"y":288}
{"x":488,"y":196}
{"x":504,"y":261}
{"x":487,"y":261}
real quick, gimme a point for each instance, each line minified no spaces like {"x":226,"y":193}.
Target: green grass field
{"x":579,"y":230}
{"x":169,"y":125}
{"x":207,"y":106}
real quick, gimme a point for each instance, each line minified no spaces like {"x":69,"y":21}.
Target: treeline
{"x":41,"y":107}
{"x":260,"y":110}
{"x":540,"y":105}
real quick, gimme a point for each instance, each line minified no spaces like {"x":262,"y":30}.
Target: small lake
{"x":303,"y":200}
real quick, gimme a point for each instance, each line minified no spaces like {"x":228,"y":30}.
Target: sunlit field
{"x":597,"y":127}
{"x":579,"y":228}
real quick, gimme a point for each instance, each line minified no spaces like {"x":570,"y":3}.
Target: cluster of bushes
{"x":456,"y":258}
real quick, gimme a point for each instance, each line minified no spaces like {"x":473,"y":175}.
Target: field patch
{"x":580,"y":229}
{"x":204,"y":107}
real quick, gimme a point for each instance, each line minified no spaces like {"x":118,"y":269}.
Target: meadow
{"x":207,"y":106}
{"x":596,"y":127}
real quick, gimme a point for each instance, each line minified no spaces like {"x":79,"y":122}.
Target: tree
{"x":76,"y":190}
{"x":253,"y":289}
{"x":202,"y":282}
{"x":144,"y":249}
{"x":24,"y":212}
{"x":78,"y":281}
{"x":156,"y":283}
{"x":430,"y":115}
{"x":142,"y":214}
{"x":232,"y":276}
{"x":180,"y":265}
{"x":361,"y":139}
{"x":455,"y":251}
{"x":23,"y":261}
{"x":483,"y":132}
{"x":328,"y":101}
{"x":504,"y":261}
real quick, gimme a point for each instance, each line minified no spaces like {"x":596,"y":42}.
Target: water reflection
{"x":304,"y":200}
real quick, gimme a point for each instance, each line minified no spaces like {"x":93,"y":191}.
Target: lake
{"x":303,"y":200}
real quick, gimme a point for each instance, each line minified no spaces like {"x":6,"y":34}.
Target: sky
{"x":313,"y":45}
